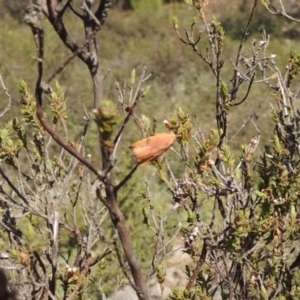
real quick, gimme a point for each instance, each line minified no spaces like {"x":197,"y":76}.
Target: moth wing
{"x":141,"y":150}
{"x":149,"y":149}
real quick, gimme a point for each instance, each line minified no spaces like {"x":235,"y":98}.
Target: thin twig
{"x":121,"y":263}
{"x":102,"y":256}
{"x":248,"y":91}
{"x":243,"y":126}
{"x":70,"y":58}
{"x":198,"y":267}
{"x":75,"y":12}
{"x":117,"y":138}
{"x":237,"y":62}
{"x":13,"y":187}
{"x":126,"y":178}
{"x":8,"y":106}
{"x":274,"y":11}
{"x":92,"y":16}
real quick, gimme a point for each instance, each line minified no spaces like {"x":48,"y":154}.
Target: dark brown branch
{"x":190,"y":41}
{"x":247,"y":93}
{"x":102,"y":10}
{"x":69,"y":59}
{"x":198,"y":267}
{"x":100,"y":257}
{"x":64,"y":8}
{"x":126,"y":119}
{"x":295,"y":263}
{"x":237,"y":62}
{"x":50,"y":7}
{"x":67,"y":147}
{"x":75,"y":12}
{"x":13,"y":187}
{"x":91,"y":16}
{"x":110,"y":201}
{"x":8,"y":199}
{"x":42,"y":265}
{"x":62,"y":32}
{"x":126,"y":178}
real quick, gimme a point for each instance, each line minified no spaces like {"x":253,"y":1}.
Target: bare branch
{"x":126,"y":178}
{"x":8,"y":106}
{"x":102,"y":10}
{"x":121,"y":263}
{"x":238,"y":57}
{"x":280,"y":12}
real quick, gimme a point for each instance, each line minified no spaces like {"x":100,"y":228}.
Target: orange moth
{"x":149,"y":149}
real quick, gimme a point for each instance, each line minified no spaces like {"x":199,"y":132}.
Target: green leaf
{"x":265,"y":3}
{"x":146,"y":123}
{"x":146,"y":90}
{"x":5,"y":137}
{"x":175,"y":23}
{"x":133,"y":77}
{"x":224,"y":90}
